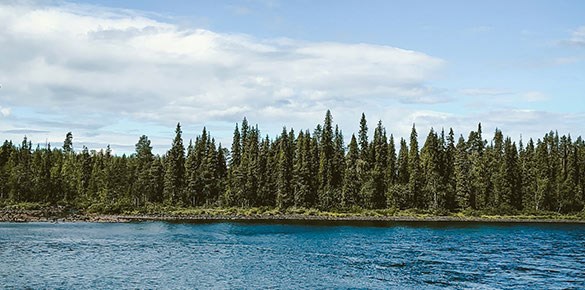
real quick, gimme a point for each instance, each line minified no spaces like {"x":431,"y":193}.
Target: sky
{"x":111,"y":71}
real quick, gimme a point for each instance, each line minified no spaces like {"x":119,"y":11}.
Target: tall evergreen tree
{"x":392,"y":172}
{"x":235,"y":177}
{"x":464,"y":195}
{"x":144,"y":158}
{"x":434,"y":189}
{"x":174,"y":181}
{"x":374,"y":190}
{"x":284,"y":197}
{"x":364,"y":162}
{"x":448,"y":171}
{"x":326,"y":164}
{"x":399,"y":194}
{"x":415,"y":181}
{"x":351,"y":186}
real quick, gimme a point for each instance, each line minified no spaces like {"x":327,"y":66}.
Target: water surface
{"x":291,"y":255}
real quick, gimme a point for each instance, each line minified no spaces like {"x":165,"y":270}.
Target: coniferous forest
{"x":307,"y":169}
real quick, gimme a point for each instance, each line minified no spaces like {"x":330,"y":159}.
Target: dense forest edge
{"x":302,"y":174}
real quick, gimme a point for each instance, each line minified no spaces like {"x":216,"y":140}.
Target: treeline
{"x":307,"y":169}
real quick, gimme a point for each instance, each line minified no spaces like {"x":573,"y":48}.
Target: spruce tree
{"x":351,"y":186}
{"x":326,"y":154}
{"x":448,"y":171}
{"x":392,"y":172}
{"x":399,"y":195}
{"x":434,"y":191}
{"x":68,"y":143}
{"x":376,"y":190}
{"x":5,"y":153}
{"x":337,"y":166}
{"x":249,"y":168}
{"x":464,"y":195}
{"x":364,"y":161}
{"x":528,"y":171}
{"x":144,"y":158}
{"x":284,"y":196}
{"x":175,"y":170}
{"x":235,"y":180}
{"x":415,"y":181}
{"x":512,"y":175}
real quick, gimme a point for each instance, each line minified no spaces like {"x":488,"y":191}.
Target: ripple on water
{"x":252,"y":255}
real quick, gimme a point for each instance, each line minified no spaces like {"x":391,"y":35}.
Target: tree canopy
{"x":304,"y":169}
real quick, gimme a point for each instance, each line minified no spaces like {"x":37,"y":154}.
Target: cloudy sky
{"x":110,"y":71}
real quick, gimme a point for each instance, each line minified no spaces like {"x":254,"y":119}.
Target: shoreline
{"x":23,"y":216}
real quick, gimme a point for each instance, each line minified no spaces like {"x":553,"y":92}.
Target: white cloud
{"x":484,"y":92}
{"x":534,"y":96}
{"x":87,"y":69}
{"x":5,"y":112}
{"x":501,"y":97}
{"x":578,"y":37}
{"x":86,"y":62}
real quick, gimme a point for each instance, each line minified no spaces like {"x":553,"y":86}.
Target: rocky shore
{"x":59,"y":215}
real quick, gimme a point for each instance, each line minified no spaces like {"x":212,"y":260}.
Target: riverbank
{"x":68,"y":215}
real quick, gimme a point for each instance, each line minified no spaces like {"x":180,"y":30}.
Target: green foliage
{"x":305,"y":174}
{"x":174,"y":179}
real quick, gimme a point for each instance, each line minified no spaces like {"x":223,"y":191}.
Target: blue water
{"x":293,"y":255}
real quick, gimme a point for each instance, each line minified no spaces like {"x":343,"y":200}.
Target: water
{"x":293,"y":255}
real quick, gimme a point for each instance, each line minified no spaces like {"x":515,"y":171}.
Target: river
{"x":305,"y":255}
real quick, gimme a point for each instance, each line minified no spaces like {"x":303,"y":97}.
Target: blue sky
{"x":110,"y":71}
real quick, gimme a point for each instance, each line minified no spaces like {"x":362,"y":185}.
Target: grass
{"x":26,"y":206}
{"x":354,"y":212}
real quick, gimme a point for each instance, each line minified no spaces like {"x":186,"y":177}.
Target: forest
{"x":306,"y":170}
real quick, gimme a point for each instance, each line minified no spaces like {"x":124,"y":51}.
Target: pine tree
{"x":326,"y":164}
{"x":156,"y":181}
{"x":249,"y":168}
{"x":512,"y":175}
{"x":529,"y":181}
{"x":284,"y":196}
{"x":415,"y":181}
{"x":69,"y":170}
{"x":351,"y":186}
{"x":337,"y":166}
{"x":221,"y":172}
{"x":375,"y":189}
{"x":175,"y":170}
{"x":481,"y":184}
{"x":209,"y":175}
{"x":399,"y":195}
{"x":5,"y":152}
{"x":464,"y":195}
{"x":144,"y":158}
{"x":500,"y":196}
{"x":266,"y":191}
{"x":194,"y":168}
{"x":68,"y":143}
{"x":434,"y":190}
{"x":235,"y":180}
{"x":302,"y":175}
{"x":448,"y":171}
{"x":568,"y":199}
{"x":392,"y":172}
{"x":543,"y":198}
{"x":86,"y":164}
{"x":364,"y":162}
